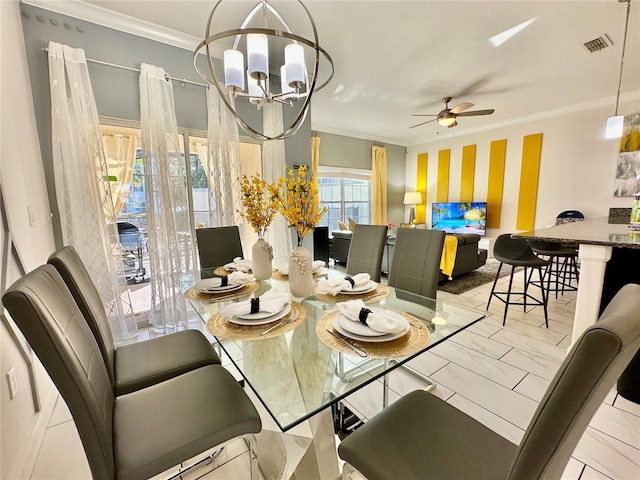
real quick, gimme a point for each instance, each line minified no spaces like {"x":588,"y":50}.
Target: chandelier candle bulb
{"x":234,"y":69}
{"x":294,"y":62}
{"x":254,"y":90}
{"x":287,"y":91}
{"x":258,"y":53}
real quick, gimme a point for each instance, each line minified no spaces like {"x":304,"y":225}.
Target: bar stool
{"x":562,"y":274}
{"x":517,"y":253}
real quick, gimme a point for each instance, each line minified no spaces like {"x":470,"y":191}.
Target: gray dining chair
{"x":137,"y":365}
{"x":421,"y":436}
{"x":133,"y":436}
{"x":218,"y":245}
{"x":415,"y":266}
{"x":366,"y":249}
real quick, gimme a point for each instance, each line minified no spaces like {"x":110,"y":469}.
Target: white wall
{"x":23,"y":185}
{"x":577,"y":168}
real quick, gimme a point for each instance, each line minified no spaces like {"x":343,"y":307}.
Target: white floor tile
{"x":573,"y":471}
{"x":527,"y":344}
{"x":494,"y":422}
{"x":506,"y":403}
{"x":607,"y":455}
{"x":533,"y":387}
{"x":543,"y":367}
{"x":60,"y":413}
{"x":481,"y":344}
{"x":591,"y":474}
{"x":626,"y":405}
{"x":61,"y":455}
{"x":618,"y":424}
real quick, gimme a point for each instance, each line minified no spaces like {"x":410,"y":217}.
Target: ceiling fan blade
{"x":461,"y":107}
{"x":452,"y":125}
{"x":423,"y":115}
{"x":428,"y":121}
{"x":476,"y":112}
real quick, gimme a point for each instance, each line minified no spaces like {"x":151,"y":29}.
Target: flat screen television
{"x":459,"y":217}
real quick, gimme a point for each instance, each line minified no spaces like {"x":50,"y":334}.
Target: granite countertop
{"x":595,"y":231}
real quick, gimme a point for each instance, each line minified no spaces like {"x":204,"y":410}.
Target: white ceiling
{"x":396,"y":58}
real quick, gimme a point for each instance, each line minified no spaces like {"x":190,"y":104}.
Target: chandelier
{"x":254,"y":44}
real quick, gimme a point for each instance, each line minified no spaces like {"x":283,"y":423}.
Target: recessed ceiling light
{"x":502,"y":37}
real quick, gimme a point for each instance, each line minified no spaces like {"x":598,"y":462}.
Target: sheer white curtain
{"x":222,"y":163}
{"x":120,"y":152}
{"x":274,"y":166}
{"x":166,"y":198}
{"x":81,"y":182}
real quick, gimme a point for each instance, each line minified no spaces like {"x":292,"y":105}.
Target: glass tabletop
{"x":295,"y":374}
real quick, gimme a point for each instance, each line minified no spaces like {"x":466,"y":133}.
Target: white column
{"x":593,"y":262}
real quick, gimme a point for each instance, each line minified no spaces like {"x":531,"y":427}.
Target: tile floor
{"x":495,"y":374}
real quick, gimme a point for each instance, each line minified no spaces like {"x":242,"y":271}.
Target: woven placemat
{"x":220,"y":327}
{"x":381,"y":291}
{"x":193,"y":294}
{"x":276,"y":275}
{"x":414,"y":341}
{"x":223,"y":272}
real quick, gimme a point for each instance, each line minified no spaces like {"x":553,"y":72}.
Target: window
{"x":346,"y":193}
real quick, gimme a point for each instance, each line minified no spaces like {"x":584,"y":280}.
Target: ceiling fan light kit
{"x":295,"y":81}
{"x":448,"y":116}
{"x":615,"y":124}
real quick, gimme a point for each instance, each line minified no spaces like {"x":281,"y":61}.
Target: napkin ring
{"x":255,"y":305}
{"x":364,"y":313}
{"x":224,"y":281}
{"x":351,"y":281}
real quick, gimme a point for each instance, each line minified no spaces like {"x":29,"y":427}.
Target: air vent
{"x":597,"y":44}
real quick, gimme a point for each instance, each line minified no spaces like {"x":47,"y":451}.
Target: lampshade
{"x":614,"y":127}
{"x":412,"y":198}
{"x":447,"y":120}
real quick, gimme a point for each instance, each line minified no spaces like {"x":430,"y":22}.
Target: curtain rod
{"x":133,"y":69}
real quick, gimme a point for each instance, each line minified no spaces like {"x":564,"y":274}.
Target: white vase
{"x":262,"y":259}
{"x":300,"y":275}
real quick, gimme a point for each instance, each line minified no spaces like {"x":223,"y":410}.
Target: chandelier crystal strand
{"x":296,"y":83}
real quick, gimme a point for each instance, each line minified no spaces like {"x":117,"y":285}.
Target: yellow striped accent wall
{"x":444,"y":159}
{"x":468,"y":173}
{"x":497,"y":158}
{"x":529,"y":172}
{"x":421,"y":186}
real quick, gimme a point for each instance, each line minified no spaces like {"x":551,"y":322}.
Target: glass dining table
{"x":307,"y":363}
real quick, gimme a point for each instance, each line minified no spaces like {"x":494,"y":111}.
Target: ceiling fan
{"x":447,"y":117}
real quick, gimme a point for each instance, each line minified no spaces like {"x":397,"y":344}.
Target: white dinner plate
{"x":207,"y":286}
{"x":387,"y":337}
{"x":369,"y":287}
{"x":364,"y":330}
{"x":259,"y":318}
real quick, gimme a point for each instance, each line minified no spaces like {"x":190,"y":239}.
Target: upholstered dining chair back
{"x":422,"y":436}
{"x":415,"y":266}
{"x":135,"y":365}
{"x":366,"y":250}
{"x":42,"y":306}
{"x":70,"y":267}
{"x":579,"y":387}
{"x":218,"y":245}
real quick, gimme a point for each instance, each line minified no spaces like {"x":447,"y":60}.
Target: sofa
{"x":468,"y":255}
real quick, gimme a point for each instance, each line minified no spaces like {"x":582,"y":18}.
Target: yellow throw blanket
{"x":448,"y":259}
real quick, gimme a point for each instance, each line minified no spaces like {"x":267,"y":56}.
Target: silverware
{"x":348,"y":344}
{"x":224,"y":297}
{"x":292,"y":318}
{"x":417,"y":325}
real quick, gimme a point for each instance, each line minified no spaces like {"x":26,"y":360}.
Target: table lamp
{"x":412,"y":198}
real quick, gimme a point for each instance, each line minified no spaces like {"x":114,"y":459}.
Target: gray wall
{"x":116,"y":90}
{"x":341,"y":151}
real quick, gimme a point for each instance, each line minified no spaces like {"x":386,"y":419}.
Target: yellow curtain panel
{"x":421,"y":186}
{"x":315,"y":164}
{"x":468,"y":173}
{"x":378,"y":185}
{"x":529,"y":172}
{"x":497,"y":158}
{"x":444,"y":159}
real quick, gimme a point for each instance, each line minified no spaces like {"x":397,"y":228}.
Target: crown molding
{"x":346,"y":133}
{"x":117,"y":21}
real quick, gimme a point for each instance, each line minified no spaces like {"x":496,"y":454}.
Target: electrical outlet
{"x":33,"y":220}
{"x":12,"y":381}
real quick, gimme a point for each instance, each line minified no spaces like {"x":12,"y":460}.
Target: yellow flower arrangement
{"x":296,"y":197}
{"x":259,"y":205}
